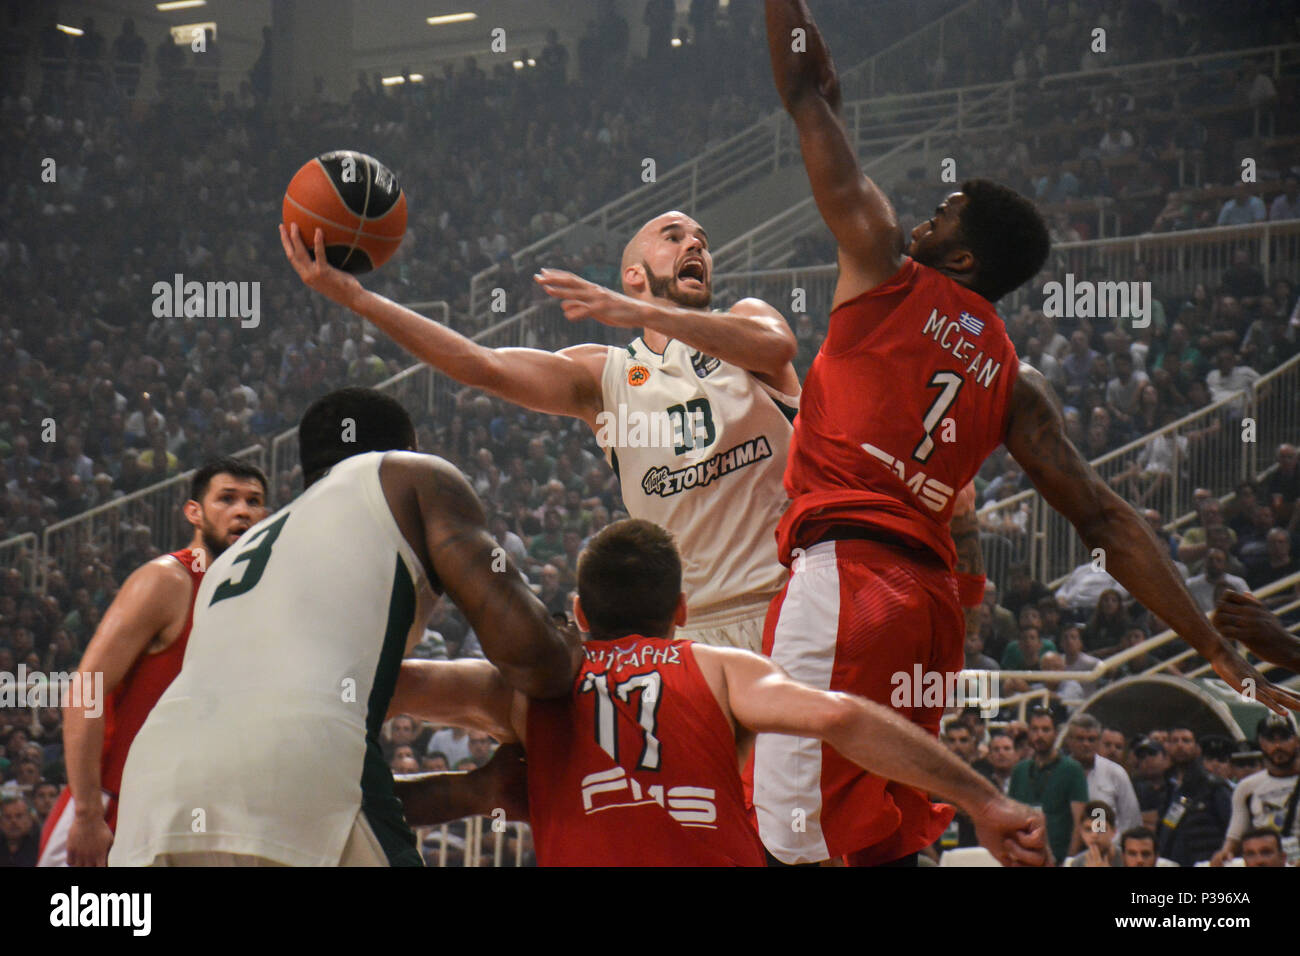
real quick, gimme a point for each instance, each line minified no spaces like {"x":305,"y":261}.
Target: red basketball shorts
{"x":852,"y":616}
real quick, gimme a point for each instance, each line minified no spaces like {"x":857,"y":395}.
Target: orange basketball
{"x":356,"y":200}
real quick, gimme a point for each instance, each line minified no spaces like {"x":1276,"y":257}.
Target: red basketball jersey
{"x":131,"y":700}
{"x":907,"y":397}
{"x":637,"y":767}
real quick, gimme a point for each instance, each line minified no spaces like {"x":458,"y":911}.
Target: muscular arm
{"x":1243,"y":617}
{"x":556,"y":383}
{"x":763,"y":699}
{"x":154,"y":598}
{"x":853,"y":207}
{"x":473,"y":695}
{"x":1036,"y":439}
{"x":534,"y":654}
{"x":753,"y":335}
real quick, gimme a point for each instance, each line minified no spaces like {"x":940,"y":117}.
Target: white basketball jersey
{"x":700,"y":446}
{"x":267,"y":742}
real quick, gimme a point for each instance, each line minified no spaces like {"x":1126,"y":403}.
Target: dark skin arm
{"x":856,"y":211}
{"x":429,"y":799}
{"x":1036,"y":439}
{"x":442,"y":518}
{"x":965,"y":528}
{"x":1242,"y":617}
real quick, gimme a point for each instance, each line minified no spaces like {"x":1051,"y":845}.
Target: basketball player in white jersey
{"x":694,"y":415}
{"x":265,"y":750}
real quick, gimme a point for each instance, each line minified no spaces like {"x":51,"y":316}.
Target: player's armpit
{"x":535,"y":655}
{"x":468,"y":693}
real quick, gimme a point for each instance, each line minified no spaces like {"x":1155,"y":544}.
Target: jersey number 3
{"x":951,"y":384}
{"x":256,"y":555}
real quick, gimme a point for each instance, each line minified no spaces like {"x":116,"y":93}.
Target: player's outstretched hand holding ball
{"x":335,"y":284}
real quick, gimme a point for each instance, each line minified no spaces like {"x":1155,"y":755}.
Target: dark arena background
{"x":150,"y":322}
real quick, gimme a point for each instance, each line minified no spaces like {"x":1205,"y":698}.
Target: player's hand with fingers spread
{"x":1243,"y":617}
{"x":335,"y":284}
{"x":1250,"y":683}
{"x":1014,"y":833}
{"x":581,"y":299}
{"x":89,"y":838}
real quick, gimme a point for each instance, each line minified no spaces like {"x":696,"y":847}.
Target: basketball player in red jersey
{"x":138,"y":647}
{"x":639,"y":765}
{"x":913,"y":343}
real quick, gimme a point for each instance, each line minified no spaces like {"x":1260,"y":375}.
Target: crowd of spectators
{"x":1166,"y":796}
{"x":101,"y":397}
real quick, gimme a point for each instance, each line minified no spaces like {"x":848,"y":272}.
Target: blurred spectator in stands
{"x":1001,"y":759}
{"x":1228,"y":377}
{"x":1242,"y":211}
{"x":1286,"y":204}
{"x":1252,"y":541}
{"x":1082,"y":588}
{"x":1051,"y":780}
{"x":1057,"y":186}
{"x":1077,"y":366}
{"x":1138,"y":848}
{"x":1023,"y":654}
{"x":1116,"y":141}
{"x":1242,"y":280}
{"x":1113,"y":746}
{"x":999,"y":629}
{"x":1096,"y":833}
{"x":1123,"y":390}
{"x":1072,"y":650}
{"x":1206,"y":587}
{"x":1225,"y":539}
{"x":1195,"y":817}
{"x":1044,"y":362}
{"x":1107,"y":625}
{"x":1283,"y":486}
{"x":19,"y":838}
{"x":976,"y":659}
{"x":1107,"y":781}
{"x":1021,"y":589}
{"x":1279,"y":562}
{"x":1262,"y":847}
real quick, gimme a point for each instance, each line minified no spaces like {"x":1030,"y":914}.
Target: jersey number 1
{"x":951,"y":384}
{"x":649,"y":684}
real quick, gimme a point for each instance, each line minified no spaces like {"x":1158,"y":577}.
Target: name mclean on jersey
{"x":664,"y":482}
{"x":947,"y":332}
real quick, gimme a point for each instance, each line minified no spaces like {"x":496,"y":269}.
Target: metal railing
{"x":902,"y":126}
{"x":755,"y":151}
{"x":1108,"y":667}
{"x":150,"y":518}
{"x":1177,"y":262}
{"x":768,"y":244}
{"x":21,"y":552}
{"x":462,"y":843}
{"x":1161,"y":470}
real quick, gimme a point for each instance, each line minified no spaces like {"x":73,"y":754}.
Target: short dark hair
{"x":1092,"y":806}
{"x":1005,"y":233}
{"x":1256,"y":832}
{"x":629,"y":580}
{"x":1136,"y":833}
{"x":380,"y":424}
{"x":224,"y":466}
{"x":1041,"y":711}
